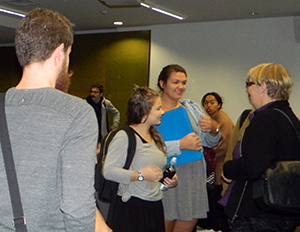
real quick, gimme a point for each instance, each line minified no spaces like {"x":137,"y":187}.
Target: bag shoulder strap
{"x":19,"y":220}
{"x":131,"y":145}
{"x":288,"y":120}
{"x":244,"y":115}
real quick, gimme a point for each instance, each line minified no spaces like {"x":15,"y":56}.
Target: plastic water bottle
{"x":169,"y":171}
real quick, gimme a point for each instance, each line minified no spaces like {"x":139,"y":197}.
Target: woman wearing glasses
{"x":269,"y":137}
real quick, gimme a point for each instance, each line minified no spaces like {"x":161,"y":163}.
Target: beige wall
{"x":218,"y":55}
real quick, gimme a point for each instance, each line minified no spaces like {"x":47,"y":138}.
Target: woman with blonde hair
{"x":270,"y":137}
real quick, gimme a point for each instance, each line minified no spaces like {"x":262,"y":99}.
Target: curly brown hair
{"x":139,"y":105}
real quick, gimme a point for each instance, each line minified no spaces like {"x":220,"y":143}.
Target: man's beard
{"x":63,"y":80}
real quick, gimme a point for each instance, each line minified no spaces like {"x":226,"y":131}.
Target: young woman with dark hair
{"x":138,"y":206}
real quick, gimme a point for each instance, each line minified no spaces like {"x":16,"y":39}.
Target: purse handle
{"x":19,"y":221}
{"x":289,"y":121}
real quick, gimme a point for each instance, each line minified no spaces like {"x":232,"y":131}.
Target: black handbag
{"x":278,"y":190}
{"x":19,"y":220}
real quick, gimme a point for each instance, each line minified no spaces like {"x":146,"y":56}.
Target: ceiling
{"x":89,"y":15}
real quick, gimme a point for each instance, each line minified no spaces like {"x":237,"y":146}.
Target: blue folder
{"x":175,"y":124}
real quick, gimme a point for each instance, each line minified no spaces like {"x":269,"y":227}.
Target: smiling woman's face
{"x":175,"y":86}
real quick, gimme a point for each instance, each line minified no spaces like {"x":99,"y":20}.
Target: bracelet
{"x":178,"y":143}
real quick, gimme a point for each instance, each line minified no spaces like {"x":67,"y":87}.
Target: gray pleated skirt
{"x":189,"y":199}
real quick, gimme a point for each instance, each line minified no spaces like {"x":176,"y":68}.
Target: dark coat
{"x":269,"y":137}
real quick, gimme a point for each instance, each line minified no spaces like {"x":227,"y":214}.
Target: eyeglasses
{"x":249,"y":83}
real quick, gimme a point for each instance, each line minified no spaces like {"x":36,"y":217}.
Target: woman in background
{"x":212,"y":103}
{"x":138,"y":206}
{"x":185,"y":129}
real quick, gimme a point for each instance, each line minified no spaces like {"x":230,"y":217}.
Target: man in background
{"x":102,"y":108}
{"x":53,"y":135}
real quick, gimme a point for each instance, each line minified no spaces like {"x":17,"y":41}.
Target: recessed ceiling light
{"x":253,"y":13}
{"x":118,"y":23}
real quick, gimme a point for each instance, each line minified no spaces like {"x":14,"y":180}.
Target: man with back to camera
{"x":53,"y":135}
{"x":103,"y":107}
